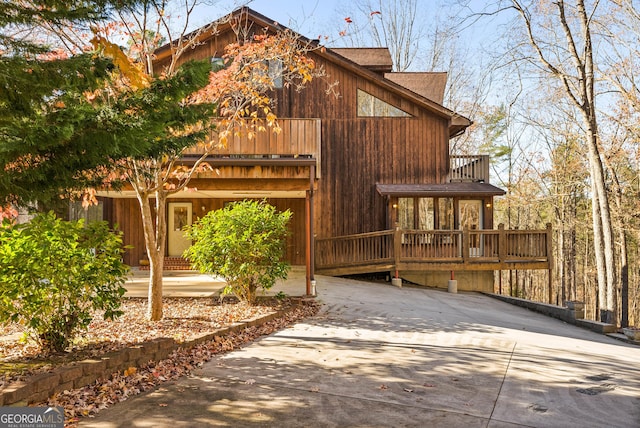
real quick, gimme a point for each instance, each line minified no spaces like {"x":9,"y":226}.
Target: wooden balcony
{"x":434,"y":250}
{"x":297,"y":138}
{"x":473,"y":168}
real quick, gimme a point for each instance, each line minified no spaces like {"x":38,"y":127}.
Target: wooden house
{"x":368,"y":176}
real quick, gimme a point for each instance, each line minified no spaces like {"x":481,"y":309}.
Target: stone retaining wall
{"x":565,"y":314}
{"x":78,"y":374}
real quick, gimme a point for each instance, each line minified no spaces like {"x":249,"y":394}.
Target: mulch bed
{"x":184,"y":318}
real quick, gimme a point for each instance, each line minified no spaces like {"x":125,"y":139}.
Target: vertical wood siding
{"x":130,"y":223}
{"x":356,"y":154}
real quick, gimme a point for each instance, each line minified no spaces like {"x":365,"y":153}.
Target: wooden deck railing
{"x":469,"y":168}
{"x":297,"y":137}
{"x":399,"y":249}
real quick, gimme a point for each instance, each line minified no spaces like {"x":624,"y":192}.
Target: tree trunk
{"x":603,"y":230}
{"x":154,"y":238}
{"x":598,"y":251}
{"x":571,"y":251}
{"x":621,"y":224}
{"x":561,"y":266}
{"x":609,"y":314}
{"x":624,"y":278}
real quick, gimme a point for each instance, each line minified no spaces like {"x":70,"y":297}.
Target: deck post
{"x":502,"y":243}
{"x":397,"y":249}
{"x":465,"y":245}
{"x":308,"y":246}
{"x":550,"y":260}
{"x":312,"y":233}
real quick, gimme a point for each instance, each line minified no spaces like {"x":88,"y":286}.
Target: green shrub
{"x":244,"y":243}
{"x":54,"y":274}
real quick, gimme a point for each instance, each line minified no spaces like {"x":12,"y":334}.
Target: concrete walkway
{"x":379,"y":356}
{"x":189,"y":283}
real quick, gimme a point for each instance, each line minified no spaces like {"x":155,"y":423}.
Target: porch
{"x":434,"y":250}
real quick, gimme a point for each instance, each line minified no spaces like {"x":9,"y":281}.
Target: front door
{"x":470,"y":215}
{"x":179,"y":217}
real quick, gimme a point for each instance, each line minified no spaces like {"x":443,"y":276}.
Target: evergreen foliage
{"x":50,"y":133}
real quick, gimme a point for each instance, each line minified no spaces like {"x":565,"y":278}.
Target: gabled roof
{"x":458,"y":123}
{"x":429,"y":85}
{"x":375,"y":59}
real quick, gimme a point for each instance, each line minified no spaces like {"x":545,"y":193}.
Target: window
{"x":426,"y":213}
{"x":90,"y":214}
{"x":406,"y":218}
{"x":370,"y":106}
{"x":275,"y":72}
{"x":416,"y":213}
{"x":445,"y":213}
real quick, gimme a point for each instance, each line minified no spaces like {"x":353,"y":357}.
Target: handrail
{"x":400,"y":247}
{"x":474,"y":168}
{"x":297,"y":137}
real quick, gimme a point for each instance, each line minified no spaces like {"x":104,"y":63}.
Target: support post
{"x":397,"y":249}
{"x":308,"y":243}
{"x":465,"y":245}
{"x":502,"y":243}
{"x":311,"y":236}
{"x":550,"y":261}
{"x":452,"y":286}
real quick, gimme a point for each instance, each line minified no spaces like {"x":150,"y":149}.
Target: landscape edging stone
{"x":78,"y":374}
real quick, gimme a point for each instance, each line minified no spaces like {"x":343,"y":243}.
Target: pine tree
{"x":51,"y":134}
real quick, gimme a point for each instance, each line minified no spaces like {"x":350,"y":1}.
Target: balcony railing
{"x":297,"y":137}
{"x":399,"y":249}
{"x":473,"y":168}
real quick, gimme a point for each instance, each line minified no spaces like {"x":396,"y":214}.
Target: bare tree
{"x":395,"y":24}
{"x":567,"y":55}
{"x":621,"y":70}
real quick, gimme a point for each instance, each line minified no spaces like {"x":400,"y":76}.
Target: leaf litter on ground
{"x":184,"y":318}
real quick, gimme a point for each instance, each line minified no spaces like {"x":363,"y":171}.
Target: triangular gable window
{"x":370,"y":106}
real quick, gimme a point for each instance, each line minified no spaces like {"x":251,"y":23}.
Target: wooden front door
{"x":179,"y":217}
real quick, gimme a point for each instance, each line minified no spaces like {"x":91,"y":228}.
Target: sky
{"x":308,"y":17}
{"x":325,"y":18}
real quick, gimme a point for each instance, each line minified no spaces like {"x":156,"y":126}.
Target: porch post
{"x":502,"y":243}
{"x":310,"y":247}
{"x":465,"y":245}
{"x":550,"y":260}
{"x":397,"y":253}
{"x":312,"y":239}
{"x":307,"y":209}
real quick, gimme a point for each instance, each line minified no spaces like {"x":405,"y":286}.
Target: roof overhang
{"x":439,"y":190}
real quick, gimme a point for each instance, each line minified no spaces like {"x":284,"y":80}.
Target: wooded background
{"x":552,"y":89}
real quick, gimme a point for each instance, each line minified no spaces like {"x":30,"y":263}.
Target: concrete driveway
{"x":379,"y":356}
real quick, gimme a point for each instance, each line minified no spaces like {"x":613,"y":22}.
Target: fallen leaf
{"x":89,"y":400}
{"x":130,"y":371}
